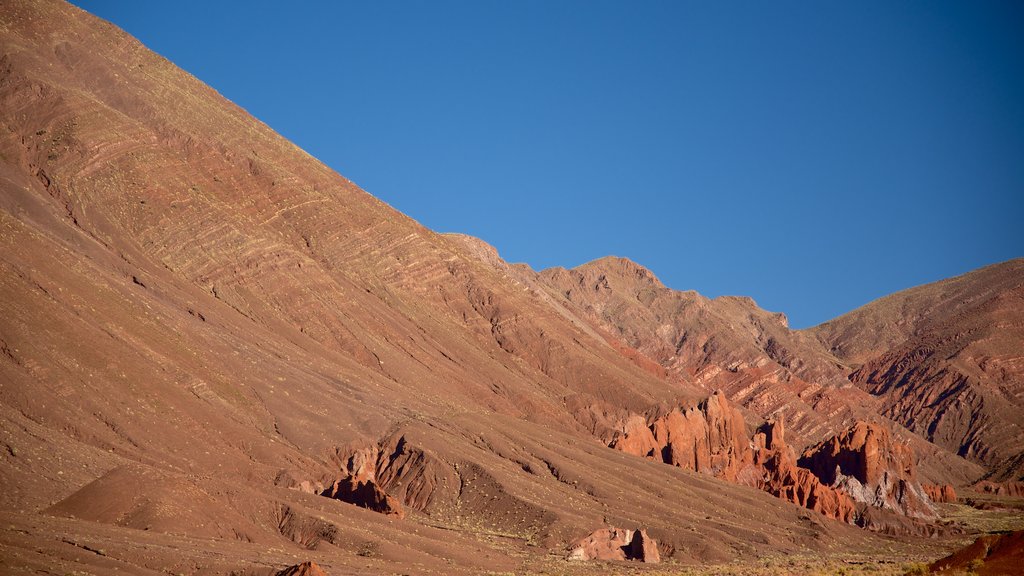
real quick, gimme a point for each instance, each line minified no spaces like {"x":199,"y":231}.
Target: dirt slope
{"x":199,"y":323}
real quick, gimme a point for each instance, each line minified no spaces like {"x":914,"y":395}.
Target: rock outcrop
{"x":711,"y":438}
{"x":872,"y":468}
{"x":1011,"y":488}
{"x":616,"y":544}
{"x":779,"y":475}
{"x":940,"y":493}
{"x":365,"y":494}
{"x":644,"y":548}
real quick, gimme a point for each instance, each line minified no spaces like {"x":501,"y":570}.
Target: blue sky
{"x":811,"y":155}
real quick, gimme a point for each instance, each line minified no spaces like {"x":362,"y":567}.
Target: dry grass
{"x":1010,"y":515}
{"x":796,"y":565}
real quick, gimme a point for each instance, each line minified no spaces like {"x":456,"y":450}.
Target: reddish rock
{"x":1015,"y":489}
{"x":644,"y":548}
{"x":602,"y":544}
{"x":710,"y":438}
{"x":993,"y":554}
{"x":940,"y":493}
{"x":304,"y":569}
{"x":416,"y":476}
{"x":616,"y":544}
{"x":365,"y":494}
{"x":780,"y":476}
{"x":636,"y":438}
{"x":872,"y":468}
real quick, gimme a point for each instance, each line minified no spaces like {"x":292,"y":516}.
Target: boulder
{"x":644,"y":548}
{"x":616,"y":544}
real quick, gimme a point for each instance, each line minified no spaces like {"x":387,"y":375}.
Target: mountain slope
{"x":199,"y":323}
{"x":947,"y":362}
{"x":730,"y":343}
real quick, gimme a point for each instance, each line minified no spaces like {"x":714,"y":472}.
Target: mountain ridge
{"x":203,"y":328}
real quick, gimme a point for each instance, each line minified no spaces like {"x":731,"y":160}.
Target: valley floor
{"x":39,"y":544}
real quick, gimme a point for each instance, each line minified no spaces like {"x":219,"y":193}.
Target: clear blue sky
{"x":812,"y":155}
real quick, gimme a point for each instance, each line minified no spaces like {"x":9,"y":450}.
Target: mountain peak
{"x":621,"y":268}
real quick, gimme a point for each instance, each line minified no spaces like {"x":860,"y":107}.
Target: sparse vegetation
{"x":917,"y":569}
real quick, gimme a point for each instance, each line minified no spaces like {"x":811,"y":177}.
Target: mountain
{"x":219,"y":356}
{"x":197,"y":315}
{"x":946,"y":361}
{"x":729,"y":343}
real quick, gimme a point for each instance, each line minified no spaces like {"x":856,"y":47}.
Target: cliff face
{"x":872,"y":468}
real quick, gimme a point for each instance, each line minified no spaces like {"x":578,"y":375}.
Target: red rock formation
{"x":940,"y":493}
{"x":616,"y":544}
{"x":365,"y":494}
{"x":644,"y":548}
{"x":1015,"y":489}
{"x":993,"y":554}
{"x":416,"y":477}
{"x":870,"y":466}
{"x":781,"y":477}
{"x":304,"y":569}
{"x":710,"y":438}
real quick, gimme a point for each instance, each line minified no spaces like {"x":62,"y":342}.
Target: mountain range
{"x":217,"y":355}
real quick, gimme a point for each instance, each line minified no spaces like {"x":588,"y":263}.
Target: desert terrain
{"x":219,"y":356}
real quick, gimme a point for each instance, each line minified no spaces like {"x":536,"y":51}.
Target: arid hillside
{"x":219,"y":356}
{"x":729,"y":343}
{"x":947,"y":361}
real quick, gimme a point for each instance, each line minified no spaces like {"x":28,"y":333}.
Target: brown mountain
{"x":219,"y":356}
{"x":729,"y":343}
{"x":946,"y":360}
{"x":201,"y":324}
